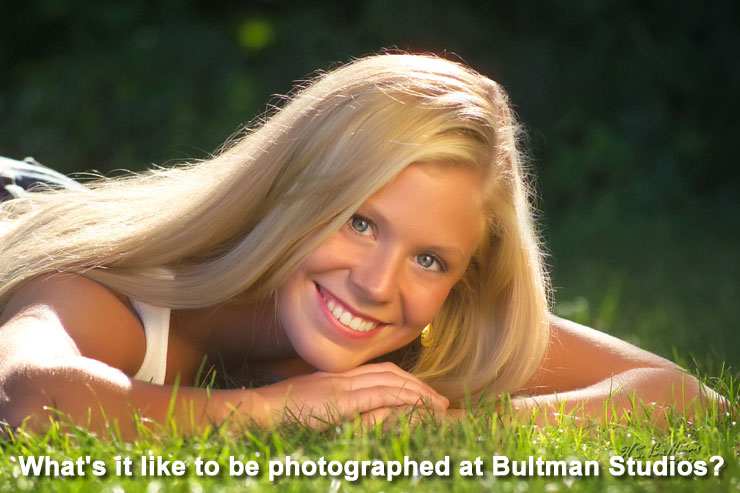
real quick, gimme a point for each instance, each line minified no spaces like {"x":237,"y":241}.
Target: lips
{"x":347,"y":317}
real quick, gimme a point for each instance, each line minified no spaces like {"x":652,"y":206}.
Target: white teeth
{"x":346,"y":318}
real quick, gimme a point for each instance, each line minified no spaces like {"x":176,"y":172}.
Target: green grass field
{"x":700,"y":454}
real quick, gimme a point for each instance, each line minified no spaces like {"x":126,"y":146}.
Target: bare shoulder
{"x":62,"y":315}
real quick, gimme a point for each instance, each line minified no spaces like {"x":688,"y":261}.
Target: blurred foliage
{"x":630,"y":110}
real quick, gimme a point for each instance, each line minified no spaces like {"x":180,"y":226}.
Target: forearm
{"x":635,"y":391}
{"x":95,"y":395}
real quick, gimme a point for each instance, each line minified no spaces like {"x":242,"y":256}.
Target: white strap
{"x":156,"y":321}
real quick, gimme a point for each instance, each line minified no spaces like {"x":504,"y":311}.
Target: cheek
{"x":424,"y":303}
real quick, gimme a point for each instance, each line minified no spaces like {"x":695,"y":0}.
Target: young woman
{"x":369,"y":247}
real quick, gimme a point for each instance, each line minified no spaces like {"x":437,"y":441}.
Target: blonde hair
{"x":236,"y":225}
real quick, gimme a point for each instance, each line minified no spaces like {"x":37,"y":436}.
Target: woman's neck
{"x":240,"y":334}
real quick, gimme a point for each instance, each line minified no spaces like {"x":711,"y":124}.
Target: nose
{"x":378,"y":276}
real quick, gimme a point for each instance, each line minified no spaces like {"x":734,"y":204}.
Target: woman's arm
{"x":94,"y":395}
{"x":591,"y":374}
{"x":68,"y":345}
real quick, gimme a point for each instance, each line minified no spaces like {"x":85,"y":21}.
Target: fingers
{"x":321,"y":398}
{"x":394,"y":382}
{"x":381,"y":368}
{"x":363,"y":400}
{"x":385,"y":396}
{"x":394,"y":374}
{"x":366,"y":400}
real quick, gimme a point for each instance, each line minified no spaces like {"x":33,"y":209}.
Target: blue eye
{"x":428,"y":261}
{"x":360,"y":224}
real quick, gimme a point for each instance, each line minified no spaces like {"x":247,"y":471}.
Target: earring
{"x":426,"y":336}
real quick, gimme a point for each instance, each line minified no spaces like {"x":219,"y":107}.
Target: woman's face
{"x":371,"y":287}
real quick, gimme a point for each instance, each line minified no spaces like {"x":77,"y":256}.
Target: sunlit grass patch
{"x":467,"y":445}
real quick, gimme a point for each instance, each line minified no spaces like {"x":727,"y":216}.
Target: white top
{"x":156,"y":322}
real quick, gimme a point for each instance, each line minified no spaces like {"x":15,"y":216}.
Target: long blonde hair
{"x":237,"y":224}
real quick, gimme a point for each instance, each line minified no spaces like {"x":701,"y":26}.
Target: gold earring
{"x":426,"y":336}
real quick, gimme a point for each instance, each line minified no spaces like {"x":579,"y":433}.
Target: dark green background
{"x":631,"y":112}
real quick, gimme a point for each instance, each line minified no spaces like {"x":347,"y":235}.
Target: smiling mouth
{"x":344,"y":315}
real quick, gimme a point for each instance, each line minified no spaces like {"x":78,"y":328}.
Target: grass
{"x":482,"y":434}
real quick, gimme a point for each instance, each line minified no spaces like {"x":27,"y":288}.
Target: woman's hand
{"x":372,"y":391}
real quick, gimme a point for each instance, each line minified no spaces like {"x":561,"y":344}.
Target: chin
{"x":334,"y":362}
{"x":329,"y":360}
